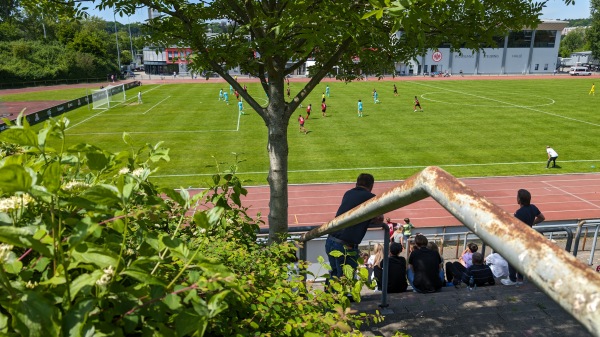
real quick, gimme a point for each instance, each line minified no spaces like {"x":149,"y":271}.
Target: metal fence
{"x":559,"y":274}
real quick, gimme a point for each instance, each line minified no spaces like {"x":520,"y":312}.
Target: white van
{"x":579,"y":71}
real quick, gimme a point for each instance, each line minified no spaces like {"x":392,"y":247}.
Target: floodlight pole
{"x":130,"y":42}
{"x":117,"y":39}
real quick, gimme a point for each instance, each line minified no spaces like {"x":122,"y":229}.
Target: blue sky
{"x":555,"y":9}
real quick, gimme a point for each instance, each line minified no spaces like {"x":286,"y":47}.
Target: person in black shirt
{"x":347,"y":240}
{"x":396,"y":272}
{"x":530,"y":215}
{"x":424,"y":268}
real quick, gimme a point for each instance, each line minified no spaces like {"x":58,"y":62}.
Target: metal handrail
{"x":559,"y":274}
{"x":580,"y":225}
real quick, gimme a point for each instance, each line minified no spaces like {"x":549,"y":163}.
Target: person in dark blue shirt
{"x":481,"y":273}
{"x":347,"y":240}
{"x":530,"y":215}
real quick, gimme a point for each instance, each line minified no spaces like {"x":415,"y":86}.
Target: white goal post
{"x":108,"y":97}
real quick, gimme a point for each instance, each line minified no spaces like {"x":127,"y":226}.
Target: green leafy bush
{"x":90,"y":247}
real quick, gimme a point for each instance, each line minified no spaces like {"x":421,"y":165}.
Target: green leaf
{"x":160,"y":154}
{"x":16,"y":178}
{"x":172,"y":301}
{"x":21,"y":136}
{"x":336,"y":253}
{"x":52,"y":177}
{"x":84,"y":281}
{"x":174,"y":195}
{"x":23,"y":237}
{"x":143,"y":276}
{"x":96,"y":160}
{"x":186,"y":323}
{"x":76,"y":318}
{"x":89,"y":254}
{"x":217,"y":303}
{"x":14,"y":266}
{"x":102,"y":194}
{"x":215,"y":214}
{"x":34,"y":315}
{"x":81,"y":231}
{"x":127,"y":190}
{"x":42,"y":135}
{"x":201,"y":219}
{"x":348,"y":271}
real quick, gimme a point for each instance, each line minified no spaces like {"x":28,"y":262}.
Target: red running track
{"x":560,"y":198}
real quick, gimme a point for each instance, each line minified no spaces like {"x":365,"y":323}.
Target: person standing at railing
{"x":530,"y":215}
{"x":347,"y":240}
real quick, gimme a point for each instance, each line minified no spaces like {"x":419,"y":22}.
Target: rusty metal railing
{"x":566,"y":280}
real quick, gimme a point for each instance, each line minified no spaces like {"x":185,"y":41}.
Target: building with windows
{"x":519,"y":52}
{"x":530,"y":51}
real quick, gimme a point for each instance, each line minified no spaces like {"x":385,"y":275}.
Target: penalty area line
{"x":155,"y":105}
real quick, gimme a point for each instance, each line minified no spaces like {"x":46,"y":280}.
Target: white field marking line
{"x":425,"y":96}
{"x":101,"y":112}
{"x":571,"y":194}
{"x":508,"y":103}
{"x":150,"y":132}
{"x":377,"y":168}
{"x":155,"y":105}
{"x":85,"y":120}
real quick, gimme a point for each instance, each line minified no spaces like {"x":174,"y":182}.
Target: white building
{"x":520,"y":52}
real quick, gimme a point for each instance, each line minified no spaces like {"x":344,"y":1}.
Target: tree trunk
{"x":278,"y":150}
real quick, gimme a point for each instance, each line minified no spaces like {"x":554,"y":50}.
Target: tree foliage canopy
{"x":593,"y":33}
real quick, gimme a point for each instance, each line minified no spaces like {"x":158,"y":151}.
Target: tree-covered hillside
{"x":37,"y":47}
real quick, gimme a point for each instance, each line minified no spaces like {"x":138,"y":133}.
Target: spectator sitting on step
{"x":396,"y":270}
{"x":497,"y":264}
{"x":424,"y":268}
{"x":481,"y":273}
{"x":374,"y":263}
{"x":455,"y":270}
{"x":434,"y":247}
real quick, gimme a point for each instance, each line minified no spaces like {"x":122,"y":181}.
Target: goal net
{"x":108,"y":97}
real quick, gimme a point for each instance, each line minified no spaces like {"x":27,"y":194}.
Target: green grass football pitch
{"x":468,"y":127}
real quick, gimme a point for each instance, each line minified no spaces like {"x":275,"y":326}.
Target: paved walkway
{"x":486,"y":311}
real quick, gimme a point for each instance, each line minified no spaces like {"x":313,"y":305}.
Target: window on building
{"x":520,"y":39}
{"x":545,"y":38}
{"x":546,"y":66}
{"x":170,"y":56}
{"x":537,"y":66}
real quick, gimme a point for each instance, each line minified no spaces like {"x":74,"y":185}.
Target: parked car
{"x":579,"y":71}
